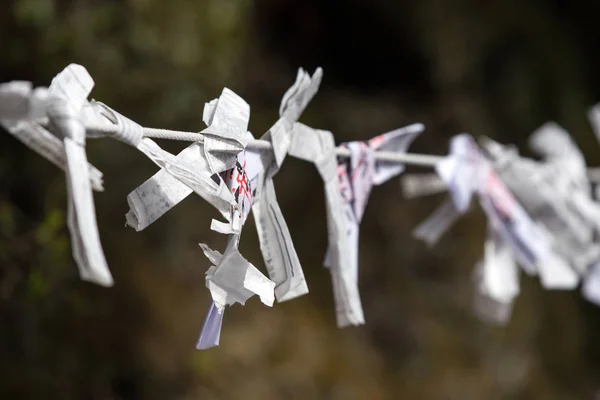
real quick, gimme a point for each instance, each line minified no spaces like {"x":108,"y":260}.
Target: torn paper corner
{"x":397,"y":141}
{"x":233,"y":279}
{"x":213,"y":255}
{"x":228,"y":118}
{"x":296,"y":98}
{"x":211,"y":329}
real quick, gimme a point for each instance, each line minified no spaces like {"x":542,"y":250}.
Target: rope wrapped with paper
{"x":542,"y":215}
{"x":221,"y":168}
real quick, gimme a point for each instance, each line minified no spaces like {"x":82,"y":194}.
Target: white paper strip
{"x":318,"y":147}
{"x":66,"y":96}
{"x":279,"y":253}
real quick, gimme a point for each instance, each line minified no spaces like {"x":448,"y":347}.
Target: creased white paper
{"x":276,"y":244}
{"x":318,"y":147}
{"x":357,"y":174}
{"x":169,"y":186}
{"x":225,"y":136}
{"x":497,"y":278}
{"x":66,"y":96}
{"x":232,"y":278}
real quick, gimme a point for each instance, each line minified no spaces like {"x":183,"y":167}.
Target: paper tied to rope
{"x":358,"y":173}
{"x":224,"y":138}
{"x":530,"y":242}
{"x":551,"y":197}
{"x":318,"y":147}
{"x":567,"y":171}
{"x":277,"y":247}
{"x":21,"y":109}
{"x":460,"y":172}
{"x":66,"y":96}
{"x":168,"y":187}
{"x":231,"y":279}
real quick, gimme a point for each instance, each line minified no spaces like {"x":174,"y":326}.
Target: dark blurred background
{"x":493,"y":68}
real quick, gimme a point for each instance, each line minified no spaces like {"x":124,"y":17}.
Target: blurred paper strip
{"x":431,"y":230}
{"x":420,"y":185}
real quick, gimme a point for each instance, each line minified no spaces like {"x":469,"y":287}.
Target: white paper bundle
{"x":230,"y":113}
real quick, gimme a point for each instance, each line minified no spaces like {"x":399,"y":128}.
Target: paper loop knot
{"x":66,"y":119}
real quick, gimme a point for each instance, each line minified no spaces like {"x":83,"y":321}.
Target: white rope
{"x":424,"y":160}
{"x":421,"y":160}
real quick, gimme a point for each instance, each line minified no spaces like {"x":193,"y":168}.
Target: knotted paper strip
{"x":232,"y":278}
{"x":163,"y":191}
{"x":318,"y":147}
{"x":66,"y":96}
{"x":357,"y":175}
{"x":279,"y":253}
{"x":20,"y":107}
